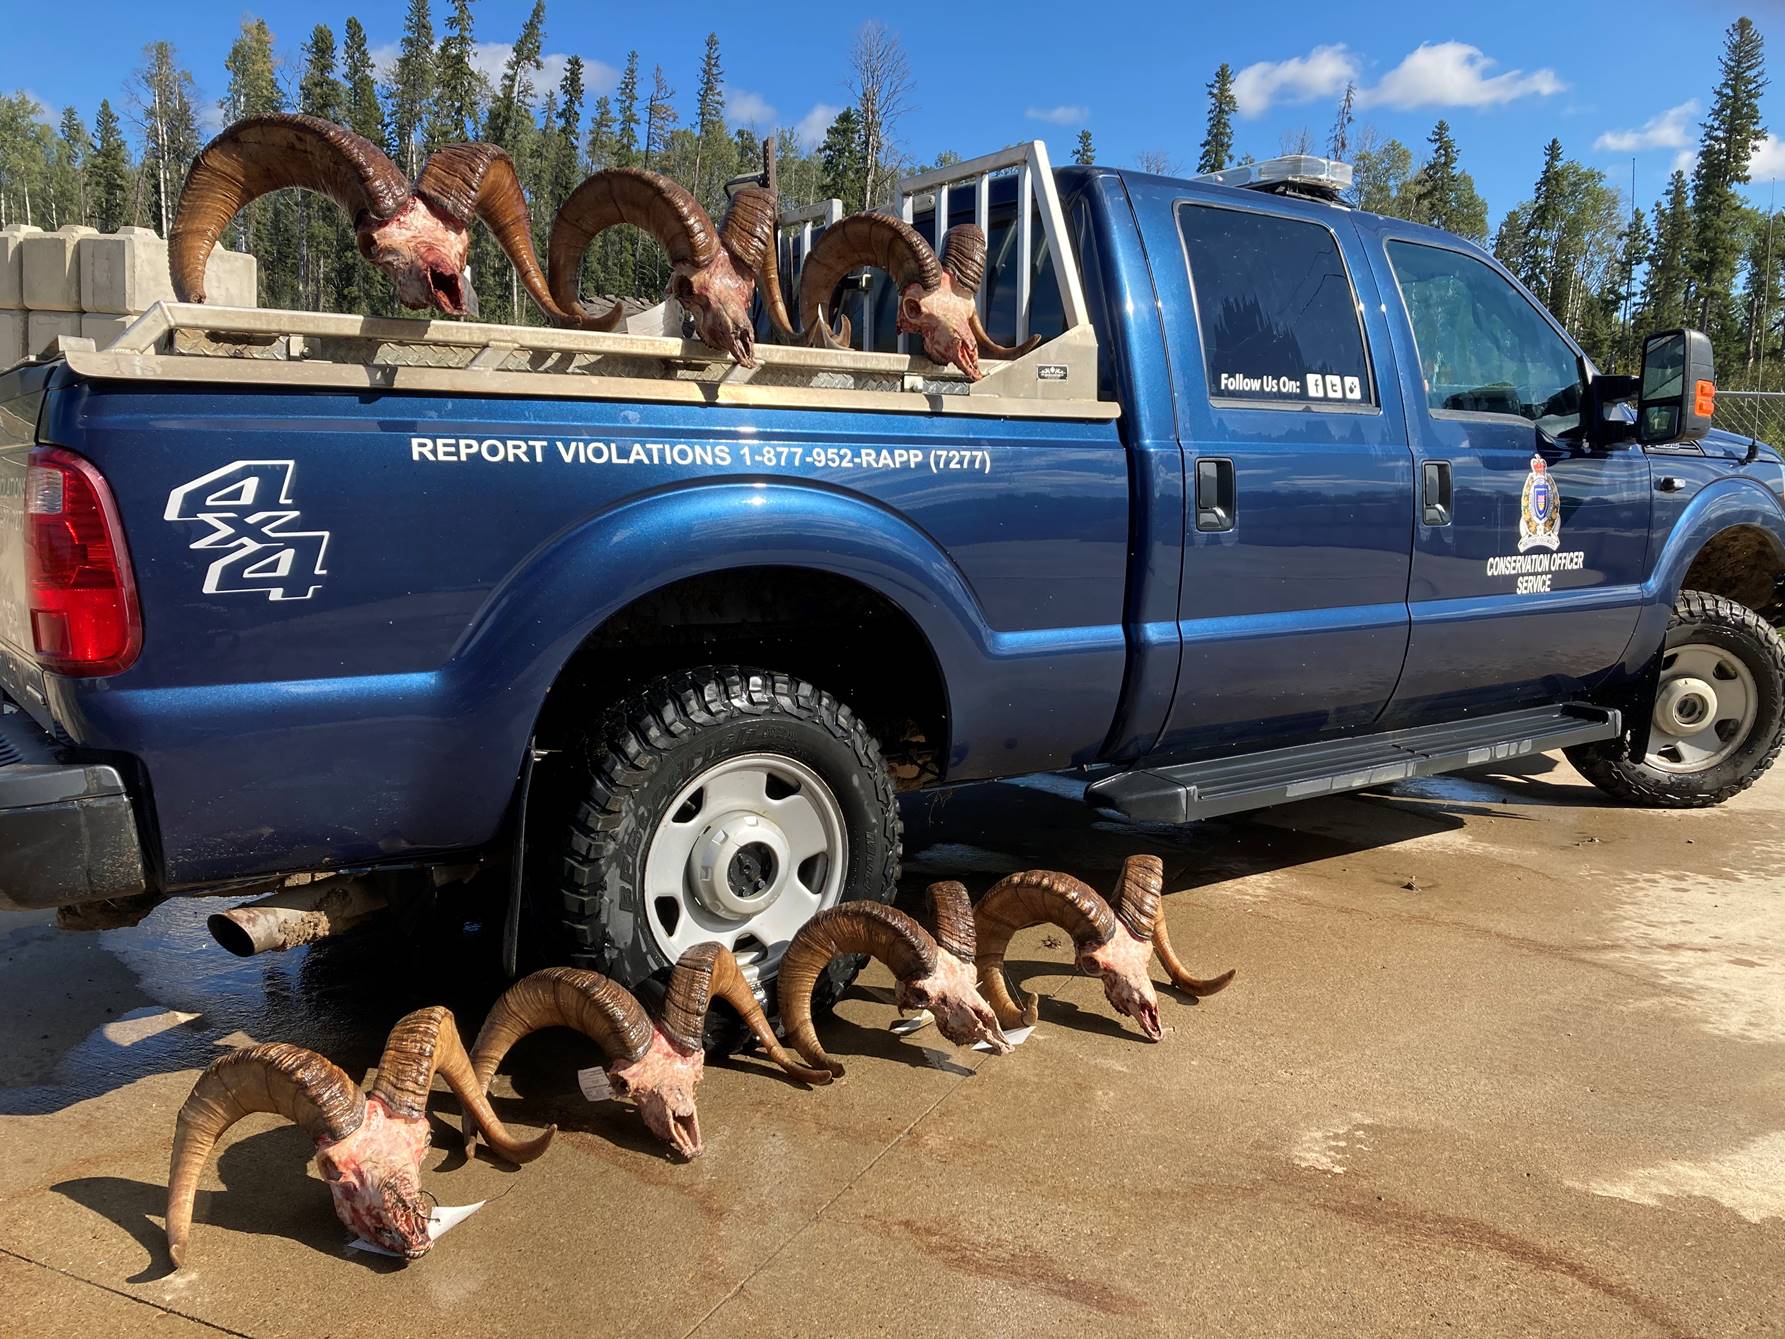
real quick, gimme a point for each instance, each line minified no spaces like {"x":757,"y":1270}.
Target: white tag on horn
{"x":595,"y":1085}
{"x":917,"y":1022}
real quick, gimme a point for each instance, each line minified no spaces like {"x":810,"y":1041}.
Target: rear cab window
{"x":1277,"y":311}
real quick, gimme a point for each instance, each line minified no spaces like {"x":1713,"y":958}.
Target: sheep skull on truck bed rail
{"x":713,"y":271}
{"x":419,"y":235}
{"x":936,"y":297}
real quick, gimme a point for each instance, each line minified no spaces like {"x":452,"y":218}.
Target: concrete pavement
{"x":1502,"y":1058}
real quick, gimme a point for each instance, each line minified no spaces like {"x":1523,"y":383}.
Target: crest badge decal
{"x":1540,"y":510}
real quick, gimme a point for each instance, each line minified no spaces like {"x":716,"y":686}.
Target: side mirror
{"x":1679,"y":388}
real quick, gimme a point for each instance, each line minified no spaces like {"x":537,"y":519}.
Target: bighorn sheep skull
{"x":713,"y":271}
{"x":368,"y":1147}
{"x":657,"y":1064}
{"x":936,"y":297}
{"x":928,"y":977}
{"x":419,"y":235}
{"x":1115,"y":943}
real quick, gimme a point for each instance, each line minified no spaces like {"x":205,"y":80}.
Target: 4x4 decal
{"x":252,"y":526}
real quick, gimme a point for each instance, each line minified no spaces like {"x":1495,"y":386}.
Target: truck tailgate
{"x":21,"y":397}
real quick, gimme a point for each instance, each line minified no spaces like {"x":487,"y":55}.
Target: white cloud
{"x":745,"y":108}
{"x":488,"y":58}
{"x":1668,"y":130}
{"x":810,"y":128}
{"x":1066,"y":114}
{"x":210,"y":119}
{"x":1686,"y":159}
{"x":1321,"y":73}
{"x":1768,"y":161}
{"x":1455,"y":74}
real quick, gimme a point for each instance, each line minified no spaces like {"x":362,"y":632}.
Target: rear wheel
{"x":726,"y":805}
{"x":1719,"y":711}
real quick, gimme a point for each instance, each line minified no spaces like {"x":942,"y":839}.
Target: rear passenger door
{"x":1292,"y":607}
{"x":1530,"y":545}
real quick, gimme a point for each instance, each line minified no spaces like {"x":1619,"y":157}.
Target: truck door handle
{"x":1437,"y":491}
{"x":1214,"y":494}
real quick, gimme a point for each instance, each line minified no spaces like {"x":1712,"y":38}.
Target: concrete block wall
{"x":78,"y":281}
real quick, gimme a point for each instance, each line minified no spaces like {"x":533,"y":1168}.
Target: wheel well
{"x":1741,"y":563}
{"x":850,"y":640}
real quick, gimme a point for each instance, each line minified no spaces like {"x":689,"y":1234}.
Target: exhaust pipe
{"x":294,"y":916}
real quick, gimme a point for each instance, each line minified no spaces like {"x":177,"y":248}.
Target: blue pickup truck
{"x":1291,"y":500}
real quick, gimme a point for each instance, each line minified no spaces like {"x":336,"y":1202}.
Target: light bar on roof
{"x":1295,"y":171}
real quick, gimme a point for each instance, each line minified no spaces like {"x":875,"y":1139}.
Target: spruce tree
{"x":69,"y":176}
{"x":458,"y":87}
{"x":510,"y":125}
{"x":1217,"y":144}
{"x":322,"y":232}
{"x":359,"y":76}
{"x":564,"y":159}
{"x":267,"y":228}
{"x":357,"y":286}
{"x":626,"y":114}
{"x":1729,"y":136}
{"x":842,"y":158}
{"x":711,"y":139}
{"x":1444,"y":195}
{"x":108,"y":174}
{"x":1665,"y":282}
{"x":411,"y":93}
{"x":1086,"y":153}
{"x":1534,"y":256}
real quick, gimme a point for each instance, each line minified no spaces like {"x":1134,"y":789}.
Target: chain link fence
{"x":1753,"y":414}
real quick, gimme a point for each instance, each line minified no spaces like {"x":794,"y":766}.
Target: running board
{"x":1253,"y":780}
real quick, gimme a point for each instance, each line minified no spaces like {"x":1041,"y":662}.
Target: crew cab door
{"x":1298,"y":519}
{"x":1529,"y":546}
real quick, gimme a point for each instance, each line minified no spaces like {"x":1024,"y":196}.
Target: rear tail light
{"x":79,"y":591}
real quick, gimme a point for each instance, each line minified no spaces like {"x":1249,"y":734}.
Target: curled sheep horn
{"x":601,"y":1009}
{"x":648,"y":201}
{"x":263,"y":154}
{"x":478,"y":181}
{"x":419,"y":236}
{"x":1034,"y":897}
{"x":1143,"y":878}
{"x":285,"y":1080}
{"x":749,"y":233}
{"x":963,"y":256}
{"x":426,"y":1042}
{"x":927,"y":978}
{"x":1136,"y":902}
{"x":877,"y":240}
{"x":951,"y":916}
{"x":707,"y":972}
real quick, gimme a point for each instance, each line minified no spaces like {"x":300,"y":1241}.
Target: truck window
{"x":1483,"y":348}
{"x":1278,"y":315}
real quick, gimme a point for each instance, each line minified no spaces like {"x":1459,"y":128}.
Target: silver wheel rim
{"x":1704,"y":709}
{"x":748,"y":852}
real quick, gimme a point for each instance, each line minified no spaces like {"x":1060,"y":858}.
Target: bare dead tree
{"x":880,"y":79}
{"x":1157,"y":161}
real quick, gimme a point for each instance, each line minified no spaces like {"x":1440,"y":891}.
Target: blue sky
{"x":1614,"y":81}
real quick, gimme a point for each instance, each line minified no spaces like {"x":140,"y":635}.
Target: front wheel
{"x":726,"y":805}
{"x":1719,"y":711}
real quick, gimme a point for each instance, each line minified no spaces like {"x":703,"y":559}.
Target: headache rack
{"x":199,"y":344}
